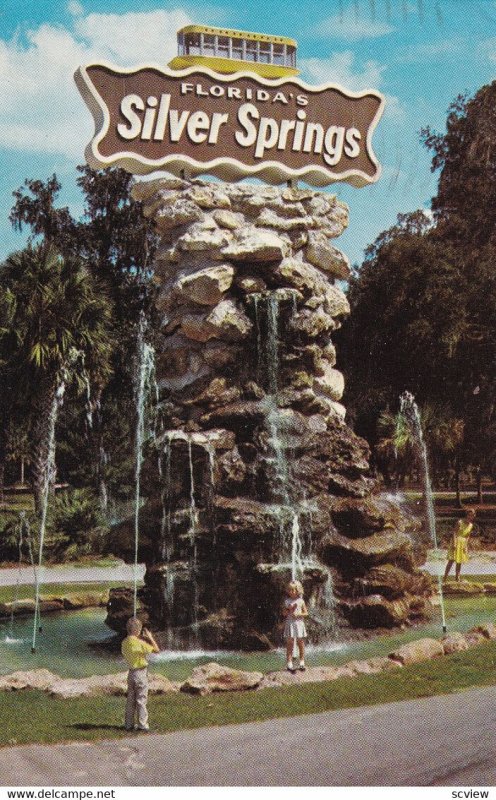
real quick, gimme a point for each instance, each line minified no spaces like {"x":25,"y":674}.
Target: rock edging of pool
{"x":72,"y":601}
{"x":215,"y":677}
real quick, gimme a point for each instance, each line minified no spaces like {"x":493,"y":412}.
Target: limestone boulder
{"x":462,"y":588}
{"x":27,"y":679}
{"x":392,"y":582}
{"x":487,"y":629}
{"x":376,"y":611}
{"x":251,"y":284}
{"x":311,"y":675}
{"x":327,"y":257}
{"x":208,"y":196}
{"x":75,"y":600}
{"x":207,"y":286}
{"x":379,"y":548}
{"x":474,"y":638}
{"x":229,"y":321}
{"x":419,"y":650}
{"x":225,"y":321}
{"x":200,"y":238}
{"x":214,"y":677}
{"x":255,"y":246}
{"x":227,"y":219}
{"x":99,"y":685}
{"x":330,"y":382}
{"x":180,"y":212}
{"x":280,"y":222}
{"x":144,"y":190}
{"x":454,"y":642}
{"x":313,"y":323}
{"x":217,"y":393}
{"x":372,"y":666}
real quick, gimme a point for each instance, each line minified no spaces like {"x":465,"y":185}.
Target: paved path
{"x":446,"y":741}
{"x":482,"y":563}
{"x":485,"y":564}
{"x":65,"y":574}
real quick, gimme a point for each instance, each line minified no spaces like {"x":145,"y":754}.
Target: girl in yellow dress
{"x":458,"y":547}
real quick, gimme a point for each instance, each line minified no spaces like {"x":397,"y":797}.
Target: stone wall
{"x":260,"y":477}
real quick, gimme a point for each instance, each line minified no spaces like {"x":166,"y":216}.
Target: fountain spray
{"x":144,"y":378}
{"x":410,"y":410}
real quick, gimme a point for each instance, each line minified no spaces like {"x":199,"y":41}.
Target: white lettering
{"x":149,"y":121}
{"x":246,"y":113}
{"x":233,"y":92}
{"x":280,"y":97}
{"x":267,"y":136}
{"x":352,"y":148}
{"x":333,"y":143}
{"x":217,"y":91}
{"x":186,"y":88}
{"x":163,"y":112}
{"x":301,"y":100}
{"x":199,"y":121}
{"x":314,"y":138}
{"x":286,"y":126}
{"x":177,"y":122}
{"x":299,"y":130}
{"x":128,"y":104}
{"x":217,"y":121}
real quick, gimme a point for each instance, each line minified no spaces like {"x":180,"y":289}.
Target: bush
{"x":76,"y":525}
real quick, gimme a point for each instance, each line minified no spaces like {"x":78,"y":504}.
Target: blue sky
{"x":419,"y":53}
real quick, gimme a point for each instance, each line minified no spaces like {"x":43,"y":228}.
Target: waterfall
{"x":296,"y":549}
{"x":167,"y":539}
{"x":411,"y":413}
{"x":144,"y":375}
{"x":48,"y":477}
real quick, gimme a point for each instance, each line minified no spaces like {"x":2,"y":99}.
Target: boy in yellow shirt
{"x":136,"y":648}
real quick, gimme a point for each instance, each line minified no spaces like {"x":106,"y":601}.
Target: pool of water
{"x":66,"y":645}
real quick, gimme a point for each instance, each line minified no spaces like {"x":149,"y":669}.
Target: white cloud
{"x":340,"y":68}
{"x":75,"y":8}
{"x":133,"y":38}
{"x":351,"y":28}
{"x":487,"y":49}
{"x":430,"y":51}
{"x":41,"y":109}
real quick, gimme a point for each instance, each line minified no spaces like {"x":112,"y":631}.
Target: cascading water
{"x":411,"y":413}
{"x":144,"y":380}
{"x":169,"y":544}
{"x":48,"y":479}
{"x":294,"y":548}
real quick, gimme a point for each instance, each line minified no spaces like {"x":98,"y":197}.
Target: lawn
{"x":32,"y":716}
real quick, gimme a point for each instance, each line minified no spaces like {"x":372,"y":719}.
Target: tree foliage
{"x":424,"y":300}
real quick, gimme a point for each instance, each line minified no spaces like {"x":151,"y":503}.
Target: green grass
{"x":32,"y":716}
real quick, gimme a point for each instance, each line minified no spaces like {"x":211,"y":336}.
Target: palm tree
{"x":442,"y":435}
{"x":58,"y":331}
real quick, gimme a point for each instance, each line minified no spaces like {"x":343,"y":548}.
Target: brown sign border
{"x":228,"y":169}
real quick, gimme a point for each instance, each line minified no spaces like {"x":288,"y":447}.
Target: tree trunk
{"x":43,"y":442}
{"x":479,"y":485}
{"x":22,"y":471}
{"x":457,"y":484}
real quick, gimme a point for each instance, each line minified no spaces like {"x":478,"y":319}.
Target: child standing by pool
{"x":294,"y":612}
{"x":136,"y":648}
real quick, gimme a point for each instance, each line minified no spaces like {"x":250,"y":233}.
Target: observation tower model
{"x":227,"y":51}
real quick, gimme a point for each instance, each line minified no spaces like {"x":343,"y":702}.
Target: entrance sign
{"x":230,"y":126}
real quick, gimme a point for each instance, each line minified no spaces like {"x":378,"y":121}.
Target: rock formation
{"x":259,"y":477}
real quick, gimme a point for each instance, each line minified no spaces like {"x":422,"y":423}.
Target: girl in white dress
{"x":294,"y":611}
